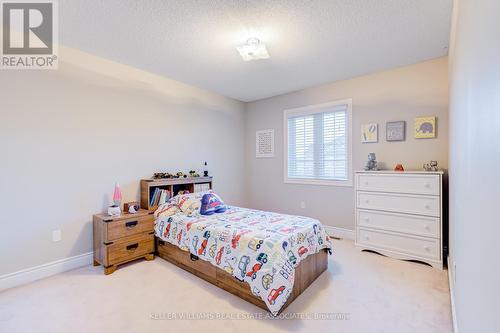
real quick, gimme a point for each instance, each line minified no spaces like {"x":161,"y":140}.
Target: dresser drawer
{"x":399,"y":203}
{"x":422,"y":247}
{"x":129,"y":247}
{"x":126,"y":227}
{"x":411,"y":224}
{"x":403,"y":183}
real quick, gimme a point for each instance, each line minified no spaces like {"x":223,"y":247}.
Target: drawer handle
{"x":130,"y":224}
{"x":366,"y":183}
{"x":426,"y":227}
{"x":367,"y":219}
{"x":367,"y":201}
{"x":367,"y":237}
{"x":427,"y":185}
{"x":132,"y":247}
{"x":426,"y":248}
{"x":427,"y":207}
{"x":193,"y":257}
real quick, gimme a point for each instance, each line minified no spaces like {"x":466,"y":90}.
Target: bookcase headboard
{"x":172,"y":186}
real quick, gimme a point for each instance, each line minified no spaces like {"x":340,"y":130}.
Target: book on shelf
{"x":159,"y":197}
{"x":201,"y":187}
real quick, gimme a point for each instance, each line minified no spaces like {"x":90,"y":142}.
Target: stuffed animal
{"x":211,"y":203}
{"x":371,"y":164}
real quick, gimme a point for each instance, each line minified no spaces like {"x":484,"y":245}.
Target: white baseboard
{"x":39,"y":272}
{"x":452,"y":298}
{"x":339,"y":232}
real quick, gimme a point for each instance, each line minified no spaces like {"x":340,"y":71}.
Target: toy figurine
{"x":399,"y":167}
{"x":431,"y":166}
{"x":205,"y":173}
{"x":371,"y":164}
{"x":161,"y":175}
{"x":193,"y":173}
{"x":180,"y":174}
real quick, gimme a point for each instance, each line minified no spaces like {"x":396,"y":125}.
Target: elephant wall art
{"x":425,"y":127}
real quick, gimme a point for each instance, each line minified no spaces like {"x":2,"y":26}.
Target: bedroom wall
{"x":399,"y":94}
{"x":474,"y":160}
{"x":67,"y":136}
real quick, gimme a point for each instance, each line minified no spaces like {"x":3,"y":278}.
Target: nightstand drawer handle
{"x":132,"y":247}
{"x":193,"y":257}
{"x":131,"y":224}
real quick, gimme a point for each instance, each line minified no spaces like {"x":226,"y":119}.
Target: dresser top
{"x":440,"y":172}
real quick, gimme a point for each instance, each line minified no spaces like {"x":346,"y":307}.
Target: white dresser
{"x":400,"y":214}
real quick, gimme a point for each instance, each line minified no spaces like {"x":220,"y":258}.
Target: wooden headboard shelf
{"x":174,"y":185}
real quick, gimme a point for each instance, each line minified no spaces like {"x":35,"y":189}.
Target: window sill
{"x":322,"y":182}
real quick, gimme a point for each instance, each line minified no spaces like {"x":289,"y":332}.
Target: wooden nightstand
{"x":120,"y":239}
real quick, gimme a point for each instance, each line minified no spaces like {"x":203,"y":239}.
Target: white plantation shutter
{"x":317,"y":139}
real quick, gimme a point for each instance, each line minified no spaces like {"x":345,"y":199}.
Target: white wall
{"x":398,"y":94}
{"x":67,"y":135}
{"x":474,"y":161}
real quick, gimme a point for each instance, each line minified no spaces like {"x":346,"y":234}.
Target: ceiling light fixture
{"x":253,"y":50}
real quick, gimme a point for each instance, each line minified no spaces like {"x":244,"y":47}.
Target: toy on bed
{"x":211,"y":203}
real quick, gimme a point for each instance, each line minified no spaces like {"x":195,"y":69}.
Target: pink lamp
{"x":117,"y":196}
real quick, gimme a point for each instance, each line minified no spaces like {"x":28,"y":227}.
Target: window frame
{"x":314,"y":109}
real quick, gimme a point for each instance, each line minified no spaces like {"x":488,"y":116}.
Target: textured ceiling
{"x":310,"y":42}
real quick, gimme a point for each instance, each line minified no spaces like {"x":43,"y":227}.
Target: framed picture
{"x":395,"y":131}
{"x":264,"y":143}
{"x":425,"y":127}
{"x":369,"y":133}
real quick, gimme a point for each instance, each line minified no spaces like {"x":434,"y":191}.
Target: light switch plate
{"x":56,"y":235}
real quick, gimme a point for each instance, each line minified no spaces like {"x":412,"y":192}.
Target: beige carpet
{"x":377,"y":294}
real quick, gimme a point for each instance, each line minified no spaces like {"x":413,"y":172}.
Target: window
{"x":318,"y":144}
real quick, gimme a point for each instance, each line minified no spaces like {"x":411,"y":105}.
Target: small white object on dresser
{"x":400,"y":214}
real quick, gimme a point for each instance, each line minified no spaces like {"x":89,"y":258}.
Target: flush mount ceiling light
{"x":253,"y":50}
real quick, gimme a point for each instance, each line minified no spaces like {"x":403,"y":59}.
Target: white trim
{"x":339,"y":232}
{"x":306,"y":181}
{"x":42,"y":271}
{"x":452,"y":296}
{"x":312,"y":109}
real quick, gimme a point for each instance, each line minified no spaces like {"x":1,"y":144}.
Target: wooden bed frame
{"x":305,"y":273}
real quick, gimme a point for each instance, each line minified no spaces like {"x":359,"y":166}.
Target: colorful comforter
{"x":261,"y":248}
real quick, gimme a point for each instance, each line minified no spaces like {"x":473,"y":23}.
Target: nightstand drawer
{"x":130,"y":247}
{"x":130,"y":226}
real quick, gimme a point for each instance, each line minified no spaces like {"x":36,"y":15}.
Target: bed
{"x":265,"y":258}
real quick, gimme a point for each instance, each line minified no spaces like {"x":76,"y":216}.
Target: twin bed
{"x":266,"y":258}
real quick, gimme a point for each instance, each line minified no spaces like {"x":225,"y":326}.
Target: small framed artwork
{"x":264,"y":143}
{"x":369,"y":133}
{"x":395,"y":131}
{"x":425,"y":127}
